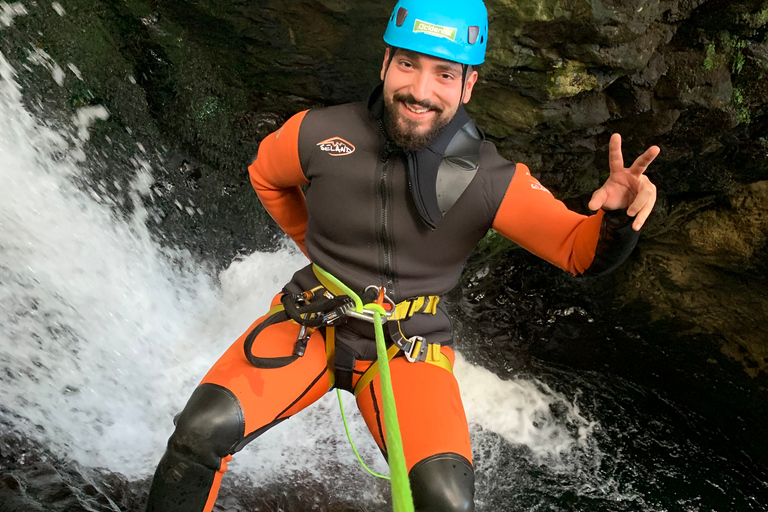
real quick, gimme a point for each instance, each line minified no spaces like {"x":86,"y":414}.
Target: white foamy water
{"x":520,"y":411}
{"x":10,"y":11}
{"x":104,"y":334}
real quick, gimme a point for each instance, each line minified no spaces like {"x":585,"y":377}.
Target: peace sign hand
{"x":627,"y":187}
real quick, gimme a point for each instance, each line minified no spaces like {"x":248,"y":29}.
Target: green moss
{"x":492,"y":245}
{"x":727,"y":52}
{"x":709,"y":60}
{"x":737,"y":46}
{"x":738,"y":97}
{"x":741,"y":106}
{"x":738,"y":63}
{"x":757,"y":19}
{"x":548,"y":10}
{"x":210,"y":107}
{"x":80,"y":98}
{"x":504,"y":111}
{"x":504,"y":51}
{"x":570,"y":79}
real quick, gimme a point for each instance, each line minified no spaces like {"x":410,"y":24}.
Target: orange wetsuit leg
{"x":255,"y":398}
{"x":429,"y":409}
{"x":434,"y":432}
{"x":268,"y":396}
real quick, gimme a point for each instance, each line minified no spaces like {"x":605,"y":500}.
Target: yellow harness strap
{"x":409,"y":307}
{"x":426,"y":304}
{"x":330,"y":353}
{"x":434,"y":356}
{"x":274,"y":310}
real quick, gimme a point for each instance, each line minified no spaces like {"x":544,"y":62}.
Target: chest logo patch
{"x":336,"y":146}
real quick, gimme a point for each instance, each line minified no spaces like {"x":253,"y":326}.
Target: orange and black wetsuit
{"x":375,"y":215}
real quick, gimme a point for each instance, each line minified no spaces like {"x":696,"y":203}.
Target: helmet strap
{"x":464,"y":72}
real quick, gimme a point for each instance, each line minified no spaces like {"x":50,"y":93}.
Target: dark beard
{"x":408,"y":140}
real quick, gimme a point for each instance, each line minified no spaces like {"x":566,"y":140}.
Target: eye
{"x":406,"y":64}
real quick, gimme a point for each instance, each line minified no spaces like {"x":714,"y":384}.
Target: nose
{"x":421,"y":88}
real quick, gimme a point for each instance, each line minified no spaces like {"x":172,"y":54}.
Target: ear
{"x":384,"y":64}
{"x":471,"y":81}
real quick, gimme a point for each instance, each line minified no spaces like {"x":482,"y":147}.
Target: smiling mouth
{"x":416,"y":109}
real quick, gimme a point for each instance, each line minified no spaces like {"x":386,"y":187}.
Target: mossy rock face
{"x":570,"y":79}
{"x":198,"y":71}
{"x":522,"y":11}
{"x":709,"y":274}
{"x":632,"y":13}
{"x":163,"y":92}
{"x":506,"y":112}
{"x":689,"y":83}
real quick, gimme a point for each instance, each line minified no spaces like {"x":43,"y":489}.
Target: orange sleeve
{"x":276,"y":175}
{"x":530,"y":216}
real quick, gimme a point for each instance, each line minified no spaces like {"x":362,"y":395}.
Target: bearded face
{"x":421,"y":96}
{"x":413,"y":134}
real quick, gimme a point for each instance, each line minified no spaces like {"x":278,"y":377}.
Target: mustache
{"x":408,"y":98}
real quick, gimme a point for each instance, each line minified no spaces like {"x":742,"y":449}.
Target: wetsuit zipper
{"x":385,"y":239}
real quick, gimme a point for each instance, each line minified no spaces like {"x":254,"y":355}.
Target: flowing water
{"x":104,"y":333}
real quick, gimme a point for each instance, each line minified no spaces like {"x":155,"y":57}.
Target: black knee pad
{"x":443,"y":483}
{"x":180,"y":485}
{"x":210,"y":426}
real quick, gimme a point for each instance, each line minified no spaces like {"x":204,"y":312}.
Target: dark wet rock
{"x":32,"y":480}
{"x":725,"y":244}
{"x":685,"y":315}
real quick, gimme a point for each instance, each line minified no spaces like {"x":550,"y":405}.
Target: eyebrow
{"x":444,"y":64}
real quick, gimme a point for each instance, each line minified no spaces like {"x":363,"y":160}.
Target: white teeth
{"x":417,"y":110}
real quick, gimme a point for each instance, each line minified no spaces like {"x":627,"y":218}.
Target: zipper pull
{"x":385,"y":152}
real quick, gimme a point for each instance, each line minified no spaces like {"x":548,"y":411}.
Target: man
{"x":399,"y":192}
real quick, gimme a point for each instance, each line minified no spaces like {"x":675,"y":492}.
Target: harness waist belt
{"x":405,"y":309}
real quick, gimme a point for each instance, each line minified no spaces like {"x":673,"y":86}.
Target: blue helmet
{"x":455,"y":30}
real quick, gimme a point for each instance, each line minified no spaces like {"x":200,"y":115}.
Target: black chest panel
{"x":458,"y":166}
{"x":367,"y":223}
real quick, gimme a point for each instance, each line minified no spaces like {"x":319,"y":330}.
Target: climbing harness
{"x":414,"y":348}
{"x":331,"y":304}
{"x":327,"y":306}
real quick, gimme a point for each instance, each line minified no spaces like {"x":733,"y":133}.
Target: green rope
{"x":352,"y":443}
{"x":402,"y":501}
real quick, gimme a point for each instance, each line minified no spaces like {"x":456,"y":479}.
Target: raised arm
{"x":533,"y":218}
{"x":277,"y":176}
